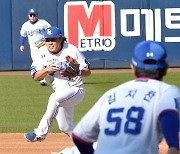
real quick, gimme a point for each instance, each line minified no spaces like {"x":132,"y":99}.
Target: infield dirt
{"x":15,"y":143}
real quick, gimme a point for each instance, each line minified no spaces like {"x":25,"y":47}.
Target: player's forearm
{"x":85,"y":72}
{"x":173,"y":151}
{"x":39,"y":75}
{"x":22,"y":40}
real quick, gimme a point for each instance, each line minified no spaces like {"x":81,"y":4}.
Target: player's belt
{"x":40,"y":44}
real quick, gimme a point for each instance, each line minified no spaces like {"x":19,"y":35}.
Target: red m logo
{"x":95,"y":22}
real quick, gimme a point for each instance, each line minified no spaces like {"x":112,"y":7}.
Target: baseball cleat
{"x":32,"y":137}
{"x":43,"y":83}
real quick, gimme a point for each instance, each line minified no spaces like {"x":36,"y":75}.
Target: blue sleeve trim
{"x":170,"y":128}
{"x":22,"y":40}
{"x":33,"y":71}
{"x":88,"y":64}
{"x":83,"y":146}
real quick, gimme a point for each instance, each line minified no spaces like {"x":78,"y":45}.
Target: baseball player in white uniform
{"x":68,"y":91}
{"x":34,"y":29}
{"x":132,"y":118}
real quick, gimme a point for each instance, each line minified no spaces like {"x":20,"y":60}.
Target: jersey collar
{"x":33,"y":22}
{"x":144,"y":78}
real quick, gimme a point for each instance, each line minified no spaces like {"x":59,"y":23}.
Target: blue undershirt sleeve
{"x":169,"y":122}
{"x":22,"y":40}
{"x":84,"y":148}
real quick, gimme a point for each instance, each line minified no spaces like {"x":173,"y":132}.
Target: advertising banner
{"x":107,"y":31}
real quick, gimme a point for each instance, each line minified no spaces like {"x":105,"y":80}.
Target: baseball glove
{"x":72,"y":69}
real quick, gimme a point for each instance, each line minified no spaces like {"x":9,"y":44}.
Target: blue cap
{"x":52,"y":32}
{"x":32,"y":11}
{"x":149,"y":55}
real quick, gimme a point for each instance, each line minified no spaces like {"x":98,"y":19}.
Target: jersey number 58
{"x":132,"y":123}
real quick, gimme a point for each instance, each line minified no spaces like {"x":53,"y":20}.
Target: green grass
{"x":23,"y":101}
{"x":95,"y":86}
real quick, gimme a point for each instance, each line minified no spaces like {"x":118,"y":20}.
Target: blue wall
{"x":6,"y":35}
{"x":128,"y":20}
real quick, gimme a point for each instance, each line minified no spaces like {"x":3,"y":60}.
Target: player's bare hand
{"x":21,"y":48}
{"x":52,"y":68}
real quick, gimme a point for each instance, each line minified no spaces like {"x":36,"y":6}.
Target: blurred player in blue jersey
{"x":135,"y":116}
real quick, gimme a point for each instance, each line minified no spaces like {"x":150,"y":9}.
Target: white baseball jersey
{"x":67,"y":92}
{"x":125,"y":119}
{"x":58,"y":81}
{"x":34,"y":32}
